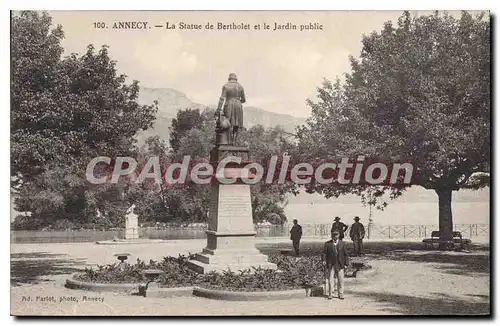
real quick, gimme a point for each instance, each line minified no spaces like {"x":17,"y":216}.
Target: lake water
{"x":416,"y":206}
{"x":394,"y":214}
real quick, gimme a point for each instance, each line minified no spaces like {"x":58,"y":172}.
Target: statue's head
{"x":232,"y":76}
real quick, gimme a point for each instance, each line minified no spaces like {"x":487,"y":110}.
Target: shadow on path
{"x":452,"y":262}
{"x":441,"y":304}
{"x":33,"y":268}
{"x":30,"y":255}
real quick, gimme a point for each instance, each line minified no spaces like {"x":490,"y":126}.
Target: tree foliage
{"x":418,"y":93}
{"x":66,"y":111}
{"x":185,"y":121}
{"x":268,"y":199}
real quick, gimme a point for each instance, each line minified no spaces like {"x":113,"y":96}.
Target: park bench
{"x":450,"y":244}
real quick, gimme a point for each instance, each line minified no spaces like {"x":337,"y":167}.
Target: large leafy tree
{"x":150,"y":197}
{"x":419,"y":93}
{"x":66,"y":111}
{"x":268,"y":199}
{"x":184,"y":121}
{"x":35,"y":58}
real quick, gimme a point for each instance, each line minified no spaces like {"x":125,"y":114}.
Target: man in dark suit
{"x":357,"y":234}
{"x":295,"y":235}
{"x":339,"y":226}
{"x":335,"y":258}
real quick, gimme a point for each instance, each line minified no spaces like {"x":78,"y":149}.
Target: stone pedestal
{"x":131,"y":224}
{"x":230,"y":234}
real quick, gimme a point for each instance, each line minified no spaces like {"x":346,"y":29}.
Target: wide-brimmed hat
{"x":356,"y":218}
{"x":337,"y":218}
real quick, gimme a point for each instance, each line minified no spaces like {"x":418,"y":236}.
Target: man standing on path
{"x":340,"y":227}
{"x":357,"y":233}
{"x":336,"y":258}
{"x":295,"y":235}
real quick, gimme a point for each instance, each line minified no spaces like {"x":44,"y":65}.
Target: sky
{"x":278,"y":69}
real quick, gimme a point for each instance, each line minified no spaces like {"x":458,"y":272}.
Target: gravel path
{"x":407,"y":281}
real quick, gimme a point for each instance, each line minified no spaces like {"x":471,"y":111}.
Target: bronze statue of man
{"x":230,"y":101}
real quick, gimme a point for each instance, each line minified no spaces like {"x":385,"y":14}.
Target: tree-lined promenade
{"x":419,"y":92}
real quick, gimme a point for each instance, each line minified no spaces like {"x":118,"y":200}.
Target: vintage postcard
{"x":236,"y":163}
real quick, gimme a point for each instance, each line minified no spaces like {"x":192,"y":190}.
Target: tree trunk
{"x":445,"y":216}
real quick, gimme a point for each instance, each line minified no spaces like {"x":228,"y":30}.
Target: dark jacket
{"x":341,"y":227}
{"x":296,"y":232}
{"x":357,"y":231}
{"x":335,"y":257}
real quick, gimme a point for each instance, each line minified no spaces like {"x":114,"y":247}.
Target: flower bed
{"x":293,"y":273}
{"x":176,"y":272}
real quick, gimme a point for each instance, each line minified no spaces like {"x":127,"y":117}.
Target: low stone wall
{"x":158,"y":292}
{"x":161,"y":292}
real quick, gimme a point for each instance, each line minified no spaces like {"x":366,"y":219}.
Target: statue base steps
{"x":234,"y":252}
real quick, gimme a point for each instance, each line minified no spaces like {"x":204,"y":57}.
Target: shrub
{"x":175,"y":272}
{"x":293,"y":273}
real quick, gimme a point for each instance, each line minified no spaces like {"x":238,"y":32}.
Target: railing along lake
{"x":309,"y":230}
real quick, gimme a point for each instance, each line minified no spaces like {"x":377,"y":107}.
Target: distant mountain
{"x":170,"y":101}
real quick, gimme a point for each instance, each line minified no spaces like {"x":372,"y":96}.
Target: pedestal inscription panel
{"x":234,"y":209}
{"x":230,"y":234}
